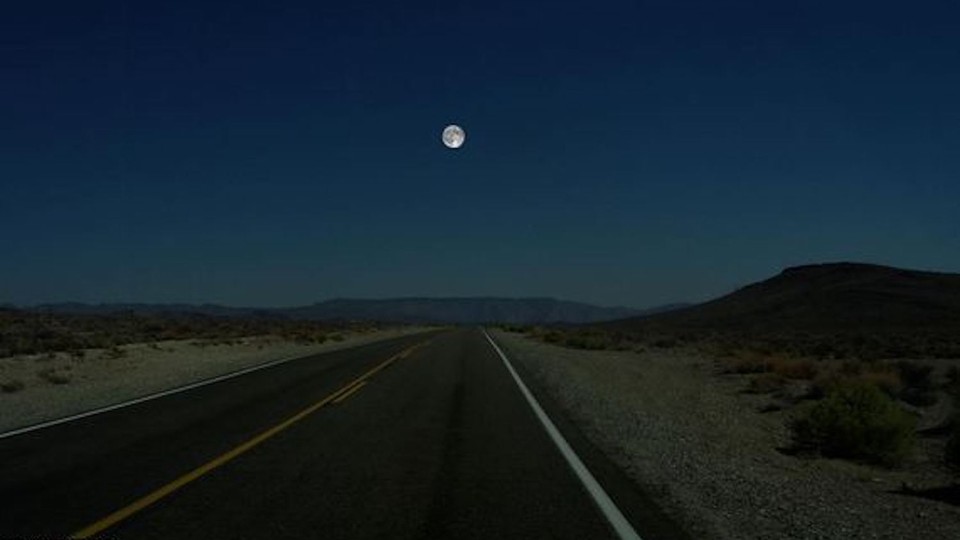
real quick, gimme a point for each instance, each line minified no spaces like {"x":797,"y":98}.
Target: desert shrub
{"x":856,"y":421}
{"x":553,"y":336}
{"x":580,"y":341}
{"x":594,"y":340}
{"x":883,"y":376}
{"x":12,"y":386}
{"x":795,"y":369}
{"x":665,"y":343}
{"x":749,"y":363}
{"x":886,"y":380}
{"x":766,"y":383}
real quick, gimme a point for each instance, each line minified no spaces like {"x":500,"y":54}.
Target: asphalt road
{"x":425,"y":436}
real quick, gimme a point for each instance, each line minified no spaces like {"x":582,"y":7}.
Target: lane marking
{"x":349,"y":392}
{"x":162,"y":393}
{"x":101,"y":525}
{"x":614,"y":516}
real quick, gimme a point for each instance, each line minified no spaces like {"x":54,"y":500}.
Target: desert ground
{"x":675,"y":419}
{"x":683,"y":428}
{"x":40,"y":387}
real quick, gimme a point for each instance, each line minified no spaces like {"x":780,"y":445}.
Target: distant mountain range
{"x":824,"y":298}
{"x":403,"y":310}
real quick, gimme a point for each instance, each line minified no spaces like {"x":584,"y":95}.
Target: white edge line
{"x":614,"y":516}
{"x":156,"y":395}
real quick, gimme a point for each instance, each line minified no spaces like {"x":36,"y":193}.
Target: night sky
{"x":628,"y":153}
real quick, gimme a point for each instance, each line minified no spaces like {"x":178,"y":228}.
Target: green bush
{"x":856,"y":421}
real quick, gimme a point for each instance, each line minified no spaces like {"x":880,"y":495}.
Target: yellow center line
{"x":353,"y":389}
{"x":143,"y":502}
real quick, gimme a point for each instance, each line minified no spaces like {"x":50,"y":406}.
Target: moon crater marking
{"x":453,"y":136}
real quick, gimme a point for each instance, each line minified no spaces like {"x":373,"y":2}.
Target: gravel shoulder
{"x":38,"y":388}
{"x":694,"y":441}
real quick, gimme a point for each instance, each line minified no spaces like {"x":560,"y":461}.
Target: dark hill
{"x":848,"y":308}
{"x":402,"y":310}
{"x":836,"y":296}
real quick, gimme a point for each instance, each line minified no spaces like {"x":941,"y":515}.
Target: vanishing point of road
{"x":435,"y":435}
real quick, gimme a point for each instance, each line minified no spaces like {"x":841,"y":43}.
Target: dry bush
{"x":795,"y":369}
{"x":749,"y":362}
{"x":666,"y":343}
{"x":879,"y":374}
{"x":766,"y":383}
{"x":886,"y":380}
{"x":594,"y":340}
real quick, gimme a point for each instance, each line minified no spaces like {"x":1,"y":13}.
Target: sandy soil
{"x":37,"y":388}
{"x":693,"y":440}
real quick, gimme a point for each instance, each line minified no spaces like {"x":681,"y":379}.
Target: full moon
{"x":453,"y":136}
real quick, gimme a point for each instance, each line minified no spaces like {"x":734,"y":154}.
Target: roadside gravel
{"x":38,"y":388}
{"x":690,"y":438}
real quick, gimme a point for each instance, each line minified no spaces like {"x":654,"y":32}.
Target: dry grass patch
{"x":803,"y":369}
{"x":783,"y":366}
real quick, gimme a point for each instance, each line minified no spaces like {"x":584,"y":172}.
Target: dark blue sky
{"x":635,"y":153}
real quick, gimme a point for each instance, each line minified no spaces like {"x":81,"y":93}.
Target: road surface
{"x":424,"y":436}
